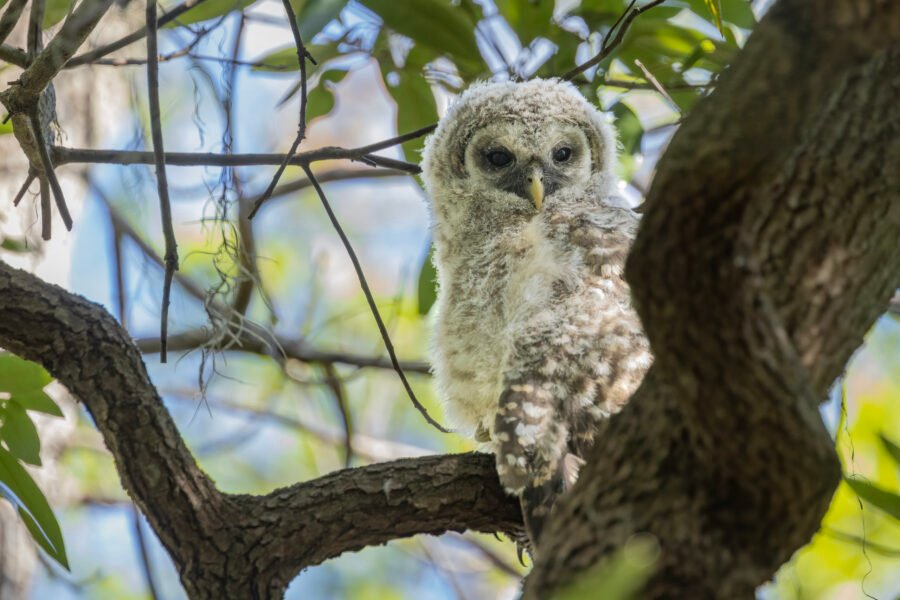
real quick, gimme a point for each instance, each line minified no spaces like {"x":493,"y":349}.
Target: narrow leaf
{"x":19,"y":433}
{"x":880,"y":498}
{"x":427,"y":288}
{"x":24,"y":493}
{"x":892,"y":448}
{"x":38,"y":401}
{"x":715,"y":7}
{"x":210,"y":9}
{"x":18,"y":375}
{"x":433,"y":23}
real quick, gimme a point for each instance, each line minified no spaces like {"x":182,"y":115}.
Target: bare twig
{"x":606,"y":48}
{"x":165,"y":206}
{"x":371,"y":300}
{"x":63,"y":155}
{"x":41,"y":145}
{"x":45,"y":209}
{"x":24,"y":189}
{"x":35,"y":27}
{"x":340,"y":399}
{"x":363,"y":154}
{"x":143,"y":553}
{"x":97,"y":53}
{"x":11,"y":17}
{"x":302,"y":55}
{"x":656,"y":85}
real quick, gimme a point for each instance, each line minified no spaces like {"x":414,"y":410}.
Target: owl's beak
{"x":536,"y":187}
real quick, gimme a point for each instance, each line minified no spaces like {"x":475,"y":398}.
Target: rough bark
{"x":233,"y":546}
{"x":770,"y":244}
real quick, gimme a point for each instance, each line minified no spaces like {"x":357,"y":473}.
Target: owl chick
{"x":535,"y":340}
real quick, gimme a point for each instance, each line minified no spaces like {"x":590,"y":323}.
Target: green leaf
{"x":427,"y":288}
{"x":892,"y":448}
{"x":320,"y":100}
{"x":314,"y":15}
{"x":415,"y":109}
{"x":6,"y":128}
{"x":880,"y":498}
{"x":630,"y":129}
{"x":433,"y":23}
{"x":55,"y":11}
{"x":38,"y":401}
{"x":19,"y":433}
{"x":737,"y":12}
{"x":18,"y":376}
{"x":14,"y":245}
{"x":33,"y":508}
{"x":285,"y":59}
{"x":210,"y":9}
{"x":715,"y":8}
{"x":528,"y":19}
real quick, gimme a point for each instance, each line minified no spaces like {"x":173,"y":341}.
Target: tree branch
{"x":234,"y":544}
{"x":767,"y":250}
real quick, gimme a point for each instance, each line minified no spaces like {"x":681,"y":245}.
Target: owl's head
{"x":510,"y":146}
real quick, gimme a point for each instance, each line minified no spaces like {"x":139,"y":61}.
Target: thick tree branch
{"x":770,"y":244}
{"x":224,"y":545}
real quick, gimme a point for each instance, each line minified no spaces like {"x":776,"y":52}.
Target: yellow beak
{"x":537,"y":188}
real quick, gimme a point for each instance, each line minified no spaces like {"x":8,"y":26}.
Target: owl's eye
{"x":499,"y":158}
{"x":562,"y":154}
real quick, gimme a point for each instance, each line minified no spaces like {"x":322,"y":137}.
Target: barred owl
{"x":535,"y":339}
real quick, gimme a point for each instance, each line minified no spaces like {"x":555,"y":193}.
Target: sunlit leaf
{"x":38,"y":401}
{"x":737,"y":12}
{"x":18,"y":486}
{"x":19,"y":376}
{"x":210,"y":9}
{"x":314,"y":15}
{"x":6,"y":128}
{"x":55,"y":11}
{"x":892,"y":448}
{"x":14,"y":245}
{"x":880,"y":498}
{"x":433,"y":23}
{"x":415,"y":109}
{"x":427,"y":287}
{"x":715,"y":8}
{"x":19,"y":433}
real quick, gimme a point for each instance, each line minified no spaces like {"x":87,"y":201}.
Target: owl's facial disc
{"x":530,"y":162}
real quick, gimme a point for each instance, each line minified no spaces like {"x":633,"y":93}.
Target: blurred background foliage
{"x":256,"y":420}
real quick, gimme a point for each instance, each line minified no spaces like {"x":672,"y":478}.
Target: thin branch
{"x":165,"y":206}
{"x":35,"y":27}
{"x":657,"y":85}
{"x":62,"y":155}
{"x":371,"y":300}
{"x":46,"y":219}
{"x":24,"y":189}
{"x":340,"y":399}
{"x":11,"y":17}
{"x":606,"y":48}
{"x":143,"y":553}
{"x":48,"y":63}
{"x":302,"y":55}
{"x":41,"y":144}
{"x":93,"y":55}
{"x":363,"y":153}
